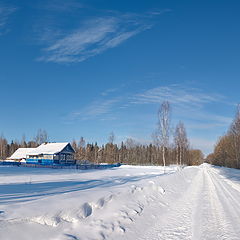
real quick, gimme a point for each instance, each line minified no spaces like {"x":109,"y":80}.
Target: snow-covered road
{"x":124,"y":203}
{"x":209,"y":208}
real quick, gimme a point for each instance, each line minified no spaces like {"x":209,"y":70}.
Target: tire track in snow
{"x":224,"y":209}
{"x":178,"y":223}
{"x":209,"y":209}
{"x":212,"y":217}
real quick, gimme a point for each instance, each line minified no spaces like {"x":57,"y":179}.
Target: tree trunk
{"x":180,"y":152}
{"x":164,"y":161}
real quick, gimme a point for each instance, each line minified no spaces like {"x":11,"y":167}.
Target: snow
{"x":45,"y":148}
{"x":21,"y":153}
{"x":49,"y":148}
{"x":129,"y":202}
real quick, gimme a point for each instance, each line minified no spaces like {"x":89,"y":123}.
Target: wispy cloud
{"x":210,"y":119}
{"x":5,"y":12}
{"x":93,"y":37}
{"x":189,"y":104}
{"x":177,"y":95}
{"x":109,"y":91}
{"x":86,"y":32}
{"x":96,"y":109}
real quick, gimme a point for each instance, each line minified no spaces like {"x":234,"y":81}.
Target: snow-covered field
{"x":120,"y":203}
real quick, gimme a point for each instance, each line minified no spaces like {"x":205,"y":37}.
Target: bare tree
{"x":23,"y":141}
{"x":111,"y":138}
{"x":163,"y":129}
{"x":82,"y":143}
{"x":196,"y":157}
{"x":41,"y":136}
{"x":181,"y":143}
{"x":234,"y":131}
{"x":227,"y":151}
{"x":130,"y":143}
{"x":3,"y":147}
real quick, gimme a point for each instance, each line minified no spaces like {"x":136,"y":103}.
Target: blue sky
{"x":86,"y":68}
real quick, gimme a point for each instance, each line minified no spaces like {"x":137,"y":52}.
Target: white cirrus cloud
{"x":176,"y":94}
{"x":5,"y":12}
{"x":95,"y":109}
{"x":93,"y":37}
{"x":109,"y":91}
{"x":188,"y":104}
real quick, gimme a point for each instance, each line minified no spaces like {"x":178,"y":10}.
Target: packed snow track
{"x":129,"y":203}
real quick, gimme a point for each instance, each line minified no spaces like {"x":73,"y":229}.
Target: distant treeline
{"x":160,"y":152}
{"x":7,"y":149}
{"x":227,"y":149}
{"x":128,"y":152}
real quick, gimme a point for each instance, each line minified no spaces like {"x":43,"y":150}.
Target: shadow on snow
{"x":21,"y":192}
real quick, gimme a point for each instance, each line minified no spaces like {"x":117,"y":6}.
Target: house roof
{"x":45,"y":148}
{"x":21,"y":153}
{"x":49,"y":148}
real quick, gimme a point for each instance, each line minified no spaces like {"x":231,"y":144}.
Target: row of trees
{"x":128,"y":152}
{"x":160,"y":152}
{"x":180,"y":148}
{"x":131,"y":152}
{"x":227,"y":149}
{"x":7,"y":149}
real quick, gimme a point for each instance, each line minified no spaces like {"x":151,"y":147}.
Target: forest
{"x":227,"y":149}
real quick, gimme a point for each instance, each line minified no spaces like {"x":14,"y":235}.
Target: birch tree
{"x":163,"y":129}
{"x":41,"y":136}
{"x":181,"y":143}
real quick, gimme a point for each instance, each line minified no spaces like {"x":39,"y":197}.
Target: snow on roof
{"x":49,"y":148}
{"x":45,"y":148}
{"x":21,"y":153}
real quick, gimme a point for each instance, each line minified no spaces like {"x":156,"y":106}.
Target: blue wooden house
{"x":47,"y":154}
{"x":52,"y":153}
